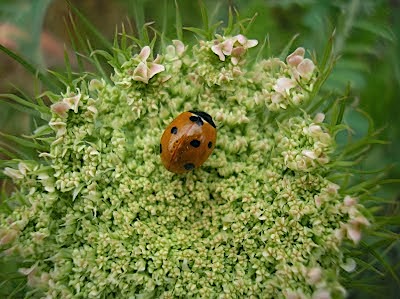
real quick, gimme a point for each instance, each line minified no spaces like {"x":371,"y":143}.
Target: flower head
{"x":235,"y":47}
{"x":139,"y":68}
{"x":103,"y":218}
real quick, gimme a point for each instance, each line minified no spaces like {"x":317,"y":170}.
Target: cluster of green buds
{"x":103,"y":218}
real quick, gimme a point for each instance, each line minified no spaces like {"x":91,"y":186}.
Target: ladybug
{"x":188,"y":141}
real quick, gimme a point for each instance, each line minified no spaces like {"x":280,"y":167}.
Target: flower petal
{"x":306,"y":68}
{"x":73,"y":102}
{"x":140,"y":73}
{"x":284,"y":84}
{"x":155,"y":69}
{"x":217,"y":49}
{"x":60,"y":109}
{"x":145,"y":53}
{"x":251,"y":43}
{"x":227,"y":46}
{"x":298,"y":52}
{"x":349,"y":265}
{"x":179,"y":46}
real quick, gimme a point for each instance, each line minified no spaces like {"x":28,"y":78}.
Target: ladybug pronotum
{"x":188,"y":141}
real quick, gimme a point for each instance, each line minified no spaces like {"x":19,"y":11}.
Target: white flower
{"x":223,"y":49}
{"x":179,"y":47}
{"x":145,"y":70}
{"x":301,"y":67}
{"x":354,"y":227}
{"x":349,"y":265}
{"x":306,"y":68}
{"x":8,"y":236}
{"x":349,"y":201}
{"x":321,"y":294}
{"x":60,"y":109}
{"x":296,"y":57}
{"x":283,"y":85}
{"x":319,"y":117}
{"x":245,"y":42}
{"x":59,"y":127}
{"x":235,"y":47}
{"x":13,"y":173}
{"x":22,"y":167}
{"x":309,"y":154}
{"x":72,"y":102}
{"x":314,"y":275}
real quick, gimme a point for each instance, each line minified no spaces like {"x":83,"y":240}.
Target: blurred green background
{"x":366,"y":38}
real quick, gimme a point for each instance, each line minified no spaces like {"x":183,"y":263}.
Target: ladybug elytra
{"x":188,"y":141}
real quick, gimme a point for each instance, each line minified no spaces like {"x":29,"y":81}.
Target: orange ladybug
{"x":188,"y":141}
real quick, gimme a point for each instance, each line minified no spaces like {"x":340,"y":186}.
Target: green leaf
{"x":31,"y":69}
{"x":24,"y":142}
{"x":95,"y":61}
{"x":20,"y":108}
{"x":198,"y":31}
{"x":229,"y":28}
{"x":178,"y":22}
{"x":13,"y":151}
{"x":260,"y":51}
{"x":72,"y":38}
{"x":249,"y":22}
{"x":7,"y":153}
{"x":376,"y":29}
{"x":374,"y":253}
{"x":67,"y":64}
{"x":338,"y":110}
{"x":25,"y":103}
{"x":284,"y":53}
{"x":91,"y":28}
{"x":205,"y":21}
{"x":138,"y":13}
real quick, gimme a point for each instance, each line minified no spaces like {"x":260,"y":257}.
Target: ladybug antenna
{"x":204,"y":115}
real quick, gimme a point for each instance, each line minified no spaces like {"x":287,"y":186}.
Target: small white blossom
{"x":283,"y":85}
{"x":7,"y":236}
{"x":72,"y":102}
{"x":147,"y":70}
{"x":321,"y":294}
{"x":319,"y":117}
{"x":235,"y":47}
{"x":314,"y":275}
{"x":301,"y":67}
{"x":349,"y":265}
{"x":13,"y":173}
{"x":60,"y":109}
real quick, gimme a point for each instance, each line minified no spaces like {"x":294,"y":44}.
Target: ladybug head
{"x":207,"y":117}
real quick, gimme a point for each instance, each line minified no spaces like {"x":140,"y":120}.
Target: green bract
{"x":104,"y":219}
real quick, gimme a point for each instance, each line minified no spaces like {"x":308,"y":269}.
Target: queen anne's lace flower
{"x":139,"y":69}
{"x":235,"y":46}
{"x":103,"y":218}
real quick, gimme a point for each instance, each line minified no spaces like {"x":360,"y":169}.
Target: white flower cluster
{"x":103,"y":218}
{"x":234,"y":47}
{"x":138,"y":69}
{"x":303,"y":144}
{"x":287,"y":84}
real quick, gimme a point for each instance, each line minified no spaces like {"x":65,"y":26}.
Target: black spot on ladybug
{"x":195,"y":143}
{"x":160,"y":148}
{"x":188,"y":166}
{"x":207,"y":117}
{"x":174,"y":130}
{"x":197,"y":120}
{"x":209,"y":144}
